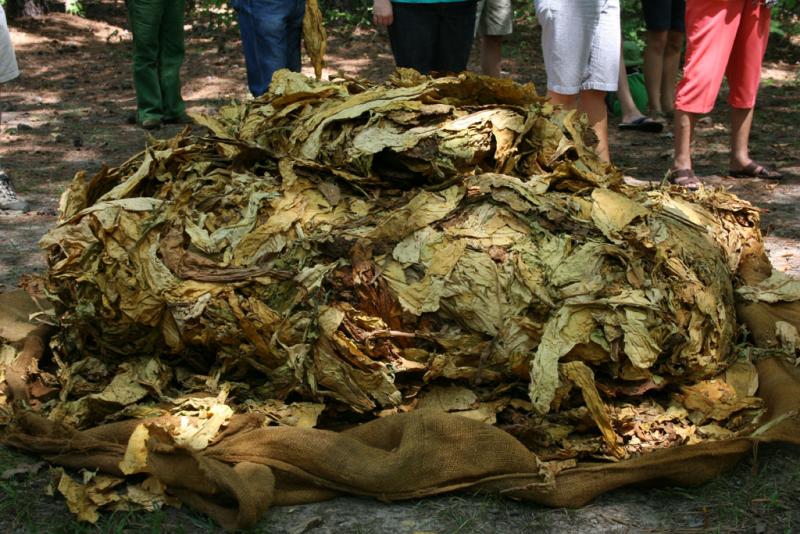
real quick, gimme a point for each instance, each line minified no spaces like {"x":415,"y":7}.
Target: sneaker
{"x":151,"y":124}
{"x":9,"y":201}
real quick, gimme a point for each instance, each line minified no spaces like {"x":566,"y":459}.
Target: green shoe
{"x":151,"y":124}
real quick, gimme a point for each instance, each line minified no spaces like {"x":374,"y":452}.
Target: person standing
{"x":428,"y":35}
{"x":8,"y":60}
{"x":723,"y":39}
{"x":632,"y":117}
{"x":495,"y":20}
{"x":271,"y":31}
{"x":664,"y":21}
{"x":158,"y":50}
{"x":8,"y":71}
{"x":581,"y":48}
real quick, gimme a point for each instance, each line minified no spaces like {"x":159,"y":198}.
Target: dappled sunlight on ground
{"x":780,"y":71}
{"x":18,"y":251}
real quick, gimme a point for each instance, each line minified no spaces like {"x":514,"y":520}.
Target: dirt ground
{"x":68,"y":112}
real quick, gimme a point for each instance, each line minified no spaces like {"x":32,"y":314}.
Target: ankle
{"x":681,"y":163}
{"x":739,"y":162}
{"x":630,"y":117}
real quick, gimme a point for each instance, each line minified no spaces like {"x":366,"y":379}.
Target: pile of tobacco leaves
{"x":336,"y":251}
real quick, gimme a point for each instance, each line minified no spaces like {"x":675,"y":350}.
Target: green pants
{"x":157,"y":27}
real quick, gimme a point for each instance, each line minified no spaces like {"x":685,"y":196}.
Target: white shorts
{"x":8,"y":61}
{"x":580,"y":44}
{"x":495,"y":17}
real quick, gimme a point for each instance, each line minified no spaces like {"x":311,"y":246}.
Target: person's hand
{"x":382,"y":13}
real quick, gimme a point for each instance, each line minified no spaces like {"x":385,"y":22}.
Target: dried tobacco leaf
{"x":85,"y":499}
{"x":314,"y":36}
{"x":342,"y":246}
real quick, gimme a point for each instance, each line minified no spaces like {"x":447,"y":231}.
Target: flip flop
{"x":754,"y":170}
{"x":642,"y":124}
{"x":684,"y":178}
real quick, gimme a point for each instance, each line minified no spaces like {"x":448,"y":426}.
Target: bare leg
{"x":669,"y":74}
{"x":654,"y":67}
{"x":628,"y":107}
{"x":593,"y":103}
{"x":741,"y":122}
{"x":684,"y":131}
{"x":565,"y":101}
{"x":491,"y":55}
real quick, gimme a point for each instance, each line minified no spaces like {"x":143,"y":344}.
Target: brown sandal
{"x":684,"y":178}
{"x":754,"y":170}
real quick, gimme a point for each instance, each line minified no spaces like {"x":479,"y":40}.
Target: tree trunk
{"x":26,"y":8}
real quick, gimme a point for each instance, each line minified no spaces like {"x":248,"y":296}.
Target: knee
{"x":145,"y":56}
{"x":657,"y":40}
{"x":674,"y":43}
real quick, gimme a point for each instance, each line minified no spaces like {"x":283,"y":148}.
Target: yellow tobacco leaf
{"x":612,"y":212}
{"x":135,"y":459}
{"x":84,"y":500}
{"x":787,"y":336}
{"x":715,"y":399}
{"x":299,"y":414}
{"x":568,"y":327}
{"x":779,"y":287}
{"x":426,"y":294}
{"x":583,"y":377}
{"x":197,"y":432}
{"x":448,"y":399}
{"x":640,"y":347}
{"x":330,"y":318}
{"x":314,"y":36}
{"x":422,"y":210}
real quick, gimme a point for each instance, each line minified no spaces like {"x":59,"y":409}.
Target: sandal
{"x":684,"y":178}
{"x":642,"y":124}
{"x":754,"y":170}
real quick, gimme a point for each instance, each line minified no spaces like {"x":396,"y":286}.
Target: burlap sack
{"x":250,"y":467}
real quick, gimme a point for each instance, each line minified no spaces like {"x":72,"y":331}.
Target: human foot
{"x":684,"y":178}
{"x":642,"y":124}
{"x":754,"y":170}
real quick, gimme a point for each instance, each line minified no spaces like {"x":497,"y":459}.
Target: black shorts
{"x":664,"y":15}
{"x":433,"y":37}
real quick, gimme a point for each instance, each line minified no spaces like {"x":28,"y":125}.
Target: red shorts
{"x":723,"y":38}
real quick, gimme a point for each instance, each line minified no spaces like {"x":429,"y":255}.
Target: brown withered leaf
{"x":314,"y":36}
{"x":344,"y":246}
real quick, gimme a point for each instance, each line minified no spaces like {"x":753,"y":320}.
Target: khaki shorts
{"x":495,"y":17}
{"x":8,"y":62}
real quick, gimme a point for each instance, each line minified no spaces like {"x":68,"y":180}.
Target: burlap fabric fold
{"x":249,"y":467}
